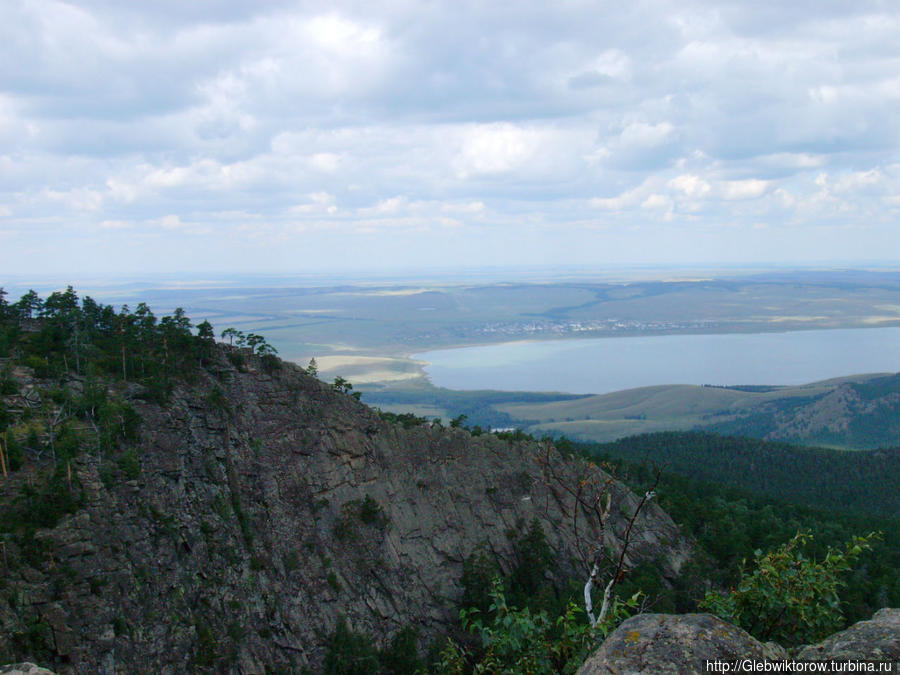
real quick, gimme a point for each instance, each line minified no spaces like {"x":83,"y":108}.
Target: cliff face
{"x":267,"y":506}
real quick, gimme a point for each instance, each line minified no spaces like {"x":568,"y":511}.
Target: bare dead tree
{"x":589,"y":497}
{"x":54,"y":417}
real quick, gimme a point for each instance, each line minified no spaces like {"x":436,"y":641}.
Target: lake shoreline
{"x":708,"y":358}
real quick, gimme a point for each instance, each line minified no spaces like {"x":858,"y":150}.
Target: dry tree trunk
{"x":587,"y":497}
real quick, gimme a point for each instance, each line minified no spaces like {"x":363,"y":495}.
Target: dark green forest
{"x":735,"y":496}
{"x":863,"y":482}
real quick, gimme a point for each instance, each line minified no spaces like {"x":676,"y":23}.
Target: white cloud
{"x":657,"y":201}
{"x":743,"y":189}
{"x":859,"y":181}
{"x":646,"y":135}
{"x":285,"y":121}
{"x":327,"y":162}
{"x":78,"y":199}
{"x":318,"y":202}
{"x":171,"y":222}
{"x":690,"y":185}
{"x":496,"y":148}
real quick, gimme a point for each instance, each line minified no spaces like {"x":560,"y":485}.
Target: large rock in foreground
{"x":24,"y":669}
{"x":674,"y":643}
{"x":875,"y":640}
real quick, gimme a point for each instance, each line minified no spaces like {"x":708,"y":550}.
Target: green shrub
{"x":207,"y":646}
{"x":130,"y":464}
{"x":479,"y":571}
{"x":43,"y":506}
{"x":270,"y":363}
{"x":67,"y":444}
{"x":333,"y":582}
{"x":15,"y":454}
{"x":217,"y":399}
{"x":32,"y":440}
{"x":235,"y":632}
{"x":40,"y":366}
{"x":512,"y":640}
{"x":788,"y":597}
{"x":367,"y":511}
{"x":120,"y":627}
{"x":401,"y":657}
{"x":291,"y":560}
{"x":371,"y":513}
{"x":350,"y":653}
{"x":533,"y":561}
{"x":237,"y":360}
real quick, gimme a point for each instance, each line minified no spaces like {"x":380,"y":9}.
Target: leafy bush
{"x":15,"y":455}
{"x":371,"y":513}
{"x":67,"y":443}
{"x":43,"y":506}
{"x":237,"y":360}
{"x":533,"y":562}
{"x":515,"y":640}
{"x":402,"y":655}
{"x":406,"y":420}
{"x":367,"y":511}
{"x":350,"y":653}
{"x":479,"y":571}
{"x":270,"y":363}
{"x":130,"y":464}
{"x":40,"y":366}
{"x":788,"y":597}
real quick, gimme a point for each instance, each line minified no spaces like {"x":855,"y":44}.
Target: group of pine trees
{"x":77,"y":347}
{"x":64,"y":333}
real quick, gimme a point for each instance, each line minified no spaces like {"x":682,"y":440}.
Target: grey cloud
{"x":300,"y":121}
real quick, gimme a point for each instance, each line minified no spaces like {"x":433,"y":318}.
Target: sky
{"x":294,"y":137}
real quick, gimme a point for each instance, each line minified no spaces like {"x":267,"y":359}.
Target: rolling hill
{"x":858,"y":411}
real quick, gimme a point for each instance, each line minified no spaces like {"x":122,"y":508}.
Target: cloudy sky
{"x":205,"y":136}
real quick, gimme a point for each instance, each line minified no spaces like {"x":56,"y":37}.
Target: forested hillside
{"x":851,"y":482}
{"x":770,"y":492}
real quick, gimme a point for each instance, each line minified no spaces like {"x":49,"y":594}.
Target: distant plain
{"x":367,"y":331}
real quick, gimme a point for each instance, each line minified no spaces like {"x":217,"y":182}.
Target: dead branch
{"x":592,"y":498}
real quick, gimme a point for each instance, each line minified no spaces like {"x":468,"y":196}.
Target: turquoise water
{"x":601,"y":365}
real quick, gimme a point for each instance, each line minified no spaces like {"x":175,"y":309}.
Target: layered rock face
{"x":268,"y":506}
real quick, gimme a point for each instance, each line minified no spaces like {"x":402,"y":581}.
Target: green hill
{"x":851,"y":482}
{"x":858,"y":411}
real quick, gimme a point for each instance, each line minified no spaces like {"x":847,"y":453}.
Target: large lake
{"x":601,"y":365}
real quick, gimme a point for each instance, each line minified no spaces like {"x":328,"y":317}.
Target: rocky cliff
{"x":264,"y":505}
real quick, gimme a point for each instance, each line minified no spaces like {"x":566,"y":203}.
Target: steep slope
{"x":264,"y":505}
